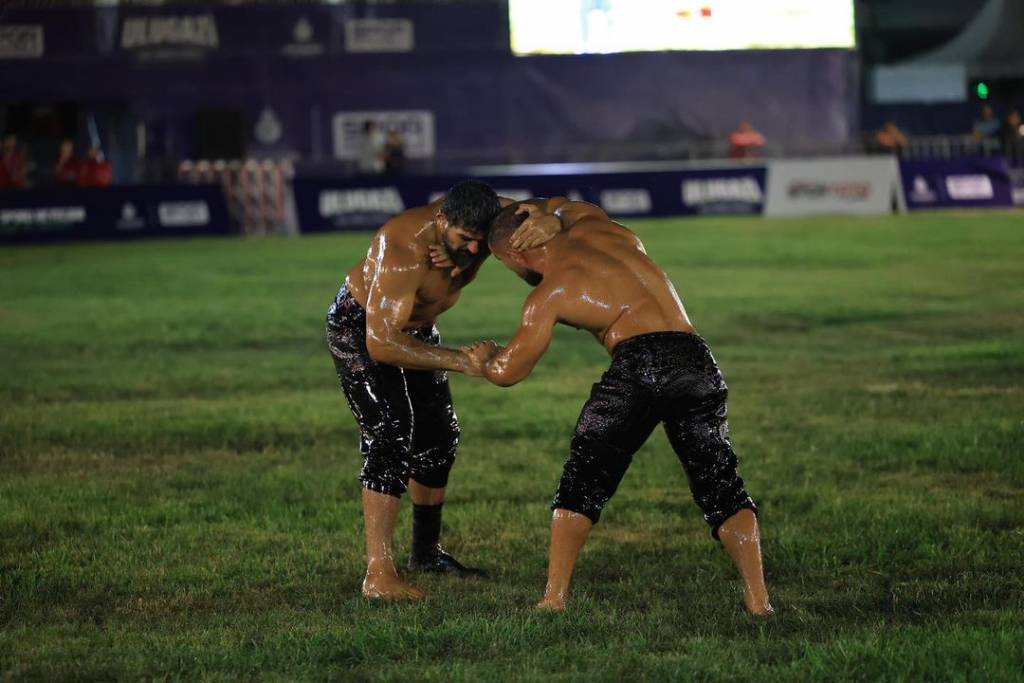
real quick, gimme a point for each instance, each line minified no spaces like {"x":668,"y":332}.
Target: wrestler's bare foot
{"x":387,"y":586}
{"x":555,"y":604}
{"x":569,"y":531}
{"x":758,"y":606}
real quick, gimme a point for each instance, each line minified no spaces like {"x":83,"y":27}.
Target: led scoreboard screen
{"x":603,"y":26}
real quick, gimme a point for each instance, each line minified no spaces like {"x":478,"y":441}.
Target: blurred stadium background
{"x":270,"y":101}
{"x":177,"y":468}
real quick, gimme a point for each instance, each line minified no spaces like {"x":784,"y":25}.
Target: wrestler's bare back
{"x":600,"y":279}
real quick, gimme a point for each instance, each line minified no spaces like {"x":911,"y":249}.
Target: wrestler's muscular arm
{"x":516,"y":361}
{"x":396,"y":273}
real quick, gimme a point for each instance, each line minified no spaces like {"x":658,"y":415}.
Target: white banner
{"x":21,"y":42}
{"x":837,"y":185}
{"x":177,"y":31}
{"x":179,"y":214}
{"x":416,"y":127}
{"x":626,"y":201}
{"x":379,"y":35}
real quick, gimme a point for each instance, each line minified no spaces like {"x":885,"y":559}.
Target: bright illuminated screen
{"x":602,"y":26}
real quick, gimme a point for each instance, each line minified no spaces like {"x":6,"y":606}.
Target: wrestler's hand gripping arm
{"x":396,"y":274}
{"x":549,"y":218}
{"x":440,"y":259}
{"x":516,"y":361}
{"x":543,"y":222}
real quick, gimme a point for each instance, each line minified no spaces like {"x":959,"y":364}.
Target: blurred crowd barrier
{"x":258,"y":192}
{"x":126,"y":212}
{"x":950,"y":147}
{"x":256,"y":197}
{"x":812,"y":186}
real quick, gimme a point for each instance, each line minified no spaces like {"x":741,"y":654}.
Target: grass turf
{"x":177,"y":469}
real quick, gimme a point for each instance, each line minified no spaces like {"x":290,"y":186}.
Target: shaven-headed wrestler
{"x":600,"y":279}
{"x":392,"y":369}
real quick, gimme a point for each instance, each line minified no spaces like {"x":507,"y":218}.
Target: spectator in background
{"x":65,"y":171}
{"x":94,"y":170}
{"x":371,"y":156}
{"x":745,"y":142}
{"x":1013,"y":139}
{"x":394,"y":153}
{"x":988,"y":126}
{"x":890,"y":139}
{"x":12,"y":165}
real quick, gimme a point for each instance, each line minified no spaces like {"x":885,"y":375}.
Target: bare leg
{"x":380,"y":513}
{"x":742,"y":540}
{"x":424,"y":495}
{"x":569,"y":531}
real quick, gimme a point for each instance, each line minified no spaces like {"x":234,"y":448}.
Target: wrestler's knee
{"x":591,"y":476}
{"x":717,"y":515}
{"x":386,"y":462}
{"x":720,"y":497}
{"x":432,"y":462}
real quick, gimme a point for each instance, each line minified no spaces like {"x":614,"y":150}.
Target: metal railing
{"x":258,"y":192}
{"x":950,"y":147}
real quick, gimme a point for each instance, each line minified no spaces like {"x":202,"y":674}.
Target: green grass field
{"x":178,"y":497}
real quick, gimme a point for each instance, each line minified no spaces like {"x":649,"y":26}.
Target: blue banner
{"x":961,"y":183}
{"x":184,"y":32}
{"x":326,"y":204}
{"x":113,"y":213}
{"x":302,"y":75}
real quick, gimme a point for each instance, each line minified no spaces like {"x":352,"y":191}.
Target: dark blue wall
{"x":488,"y":105}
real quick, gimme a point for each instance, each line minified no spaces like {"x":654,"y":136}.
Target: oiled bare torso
{"x":410,"y":234}
{"x":608,"y":285}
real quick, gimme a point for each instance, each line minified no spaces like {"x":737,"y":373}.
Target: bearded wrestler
{"x":393,"y":371}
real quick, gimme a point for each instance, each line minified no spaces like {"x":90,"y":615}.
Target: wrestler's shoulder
{"x":554,"y":287}
{"x":420,"y":213}
{"x":411,"y":219}
{"x":600,"y":233}
{"x":404,"y":231}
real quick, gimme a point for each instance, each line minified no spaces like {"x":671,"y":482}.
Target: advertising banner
{"x":724,"y":191}
{"x":174,"y":36}
{"x":307,"y":62}
{"x":22,"y":42}
{"x":379,"y":35}
{"x":963,"y":183}
{"x":836,"y":185}
{"x":113,"y":213}
{"x":324,"y":206}
{"x":367,"y":202}
{"x":684,"y":192}
{"x":173,"y":32}
{"x":415,"y":127}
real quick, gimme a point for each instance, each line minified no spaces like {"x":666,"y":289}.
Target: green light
{"x":982,"y":90}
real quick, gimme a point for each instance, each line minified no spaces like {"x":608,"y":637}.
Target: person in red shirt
{"x":65,"y":171}
{"x":745,"y":142}
{"x":12,"y":165}
{"x":94,"y":171}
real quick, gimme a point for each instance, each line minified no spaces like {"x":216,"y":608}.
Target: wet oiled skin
{"x":400,"y":291}
{"x":596,"y":277}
